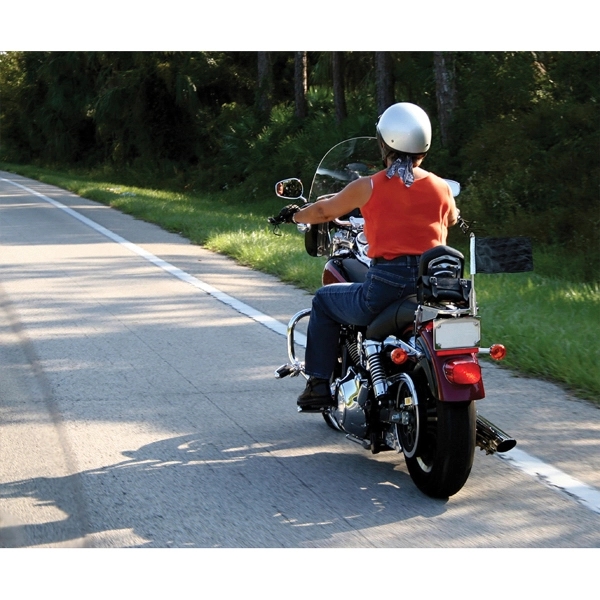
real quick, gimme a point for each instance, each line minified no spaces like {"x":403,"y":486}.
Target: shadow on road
{"x":185,"y":492}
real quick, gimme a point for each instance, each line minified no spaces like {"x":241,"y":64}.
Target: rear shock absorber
{"x":373,"y":353}
{"x":353,"y":351}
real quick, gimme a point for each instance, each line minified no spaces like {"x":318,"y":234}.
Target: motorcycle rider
{"x":407,"y":211}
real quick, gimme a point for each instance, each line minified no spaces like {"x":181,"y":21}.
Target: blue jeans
{"x":353,"y":304}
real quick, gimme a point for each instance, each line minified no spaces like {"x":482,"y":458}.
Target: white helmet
{"x":405,"y":127}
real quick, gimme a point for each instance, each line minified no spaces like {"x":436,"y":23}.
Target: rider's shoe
{"x":316,"y":395}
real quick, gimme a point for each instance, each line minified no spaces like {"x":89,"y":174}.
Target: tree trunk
{"x":265,"y":84}
{"x":339,"y":94}
{"x":384,"y":81}
{"x":300,"y":83}
{"x":445,"y":89}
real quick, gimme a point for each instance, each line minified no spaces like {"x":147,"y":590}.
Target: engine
{"x":352,"y":392}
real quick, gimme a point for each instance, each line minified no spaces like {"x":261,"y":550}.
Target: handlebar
{"x":352,"y":223}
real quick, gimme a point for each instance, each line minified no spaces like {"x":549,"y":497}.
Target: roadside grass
{"x":550,"y":326}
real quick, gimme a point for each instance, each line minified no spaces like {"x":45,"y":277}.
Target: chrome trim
{"x":413,"y":352}
{"x":372,"y":350}
{"x":414,"y":405}
{"x":491,"y":438}
{"x":290,"y":333}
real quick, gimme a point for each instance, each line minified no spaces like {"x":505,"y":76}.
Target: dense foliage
{"x":523,"y":135}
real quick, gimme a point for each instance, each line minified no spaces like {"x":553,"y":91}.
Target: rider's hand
{"x":286,"y":213}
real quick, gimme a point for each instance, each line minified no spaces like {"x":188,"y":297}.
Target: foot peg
{"x":312,"y":409}
{"x":283,"y":371}
{"x":289,"y":370}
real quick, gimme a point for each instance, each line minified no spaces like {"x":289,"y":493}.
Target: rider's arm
{"x":453,"y":214}
{"x":354,"y":195}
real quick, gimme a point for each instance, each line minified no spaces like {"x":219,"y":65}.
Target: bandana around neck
{"x":403,"y":167}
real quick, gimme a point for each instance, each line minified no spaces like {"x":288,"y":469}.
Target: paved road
{"x":139,"y":410}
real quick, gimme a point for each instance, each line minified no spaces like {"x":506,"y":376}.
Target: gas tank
{"x":344,"y":270}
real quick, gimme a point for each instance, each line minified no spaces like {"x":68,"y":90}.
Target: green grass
{"x":550,"y":326}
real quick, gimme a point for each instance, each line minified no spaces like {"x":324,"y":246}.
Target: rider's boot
{"x":316,"y":395}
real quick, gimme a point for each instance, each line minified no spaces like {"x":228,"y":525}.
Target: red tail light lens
{"x":462,"y":372}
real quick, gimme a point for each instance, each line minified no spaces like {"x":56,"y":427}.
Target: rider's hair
{"x":395,"y":155}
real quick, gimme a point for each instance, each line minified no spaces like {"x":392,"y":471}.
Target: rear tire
{"x":444,"y":459}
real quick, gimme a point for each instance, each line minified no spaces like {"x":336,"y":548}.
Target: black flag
{"x":503,"y":255}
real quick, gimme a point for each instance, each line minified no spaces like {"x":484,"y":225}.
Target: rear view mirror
{"x":289,"y":188}
{"x":454,"y":186}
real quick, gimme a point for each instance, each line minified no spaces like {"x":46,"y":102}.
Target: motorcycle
{"x":410,"y":380}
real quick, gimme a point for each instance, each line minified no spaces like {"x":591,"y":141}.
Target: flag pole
{"x":473,"y":268}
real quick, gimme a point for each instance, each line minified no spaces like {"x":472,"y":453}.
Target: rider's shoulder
{"x":436,"y":180}
{"x":358,"y":191}
{"x":420,"y":173}
{"x":379,"y":174}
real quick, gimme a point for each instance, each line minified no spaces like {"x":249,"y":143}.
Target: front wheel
{"x":443,"y":461}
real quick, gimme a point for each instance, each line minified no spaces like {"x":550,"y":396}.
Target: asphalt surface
{"x":138,"y":410}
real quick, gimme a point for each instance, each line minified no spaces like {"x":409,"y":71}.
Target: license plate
{"x":456,"y":333}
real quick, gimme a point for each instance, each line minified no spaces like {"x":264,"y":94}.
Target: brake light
{"x":497,"y":351}
{"x":462,"y":372}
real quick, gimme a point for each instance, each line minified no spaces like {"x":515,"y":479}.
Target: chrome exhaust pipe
{"x":491,"y":438}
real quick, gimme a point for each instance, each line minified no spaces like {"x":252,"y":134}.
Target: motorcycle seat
{"x":394,"y":320}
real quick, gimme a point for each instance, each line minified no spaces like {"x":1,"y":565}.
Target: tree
{"x":339,"y":92}
{"x":384,"y":81}
{"x":521,"y":129}
{"x":52,"y":105}
{"x":265,"y":84}
{"x":300,"y":83}
{"x":445,"y":91}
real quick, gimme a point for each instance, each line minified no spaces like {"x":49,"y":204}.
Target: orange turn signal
{"x":399,"y":356}
{"x":497,"y":351}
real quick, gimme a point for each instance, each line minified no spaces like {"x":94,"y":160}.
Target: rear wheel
{"x":443,"y":461}
{"x":408,"y":431}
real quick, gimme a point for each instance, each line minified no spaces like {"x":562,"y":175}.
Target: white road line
{"x":554,"y":478}
{"x":241,"y":307}
{"x":548,"y":475}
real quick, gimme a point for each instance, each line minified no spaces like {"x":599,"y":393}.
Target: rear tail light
{"x":462,"y":371}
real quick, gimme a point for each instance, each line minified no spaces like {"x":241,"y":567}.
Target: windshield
{"x":345,"y":162}
{"x":350,"y":160}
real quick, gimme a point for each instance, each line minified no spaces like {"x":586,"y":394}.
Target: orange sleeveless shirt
{"x":401,"y":220}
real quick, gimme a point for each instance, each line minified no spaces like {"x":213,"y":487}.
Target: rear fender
{"x":433,"y":366}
